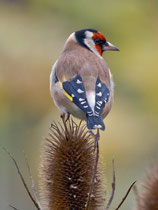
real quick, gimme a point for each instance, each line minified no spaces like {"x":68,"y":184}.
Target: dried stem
{"x":32,"y":181}
{"x":13,"y":207}
{"x":113,"y":187}
{"x":21,"y":177}
{"x":124,"y":198}
{"x":94,"y":173}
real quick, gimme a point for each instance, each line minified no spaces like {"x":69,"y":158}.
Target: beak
{"x":109,"y":46}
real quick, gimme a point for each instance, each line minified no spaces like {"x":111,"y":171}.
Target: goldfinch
{"x":81,"y":83}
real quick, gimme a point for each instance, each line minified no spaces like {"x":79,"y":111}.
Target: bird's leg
{"x":63,"y":116}
{"x":67,"y":117}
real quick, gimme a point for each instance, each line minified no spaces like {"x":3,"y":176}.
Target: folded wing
{"x":75,"y":91}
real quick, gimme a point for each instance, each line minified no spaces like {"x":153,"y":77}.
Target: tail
{"x":94,"y":122}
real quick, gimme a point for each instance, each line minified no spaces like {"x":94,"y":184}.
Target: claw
{"x":62,"y":116}
{"x":67,"y":117}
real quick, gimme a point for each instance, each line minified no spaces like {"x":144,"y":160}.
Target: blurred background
{"x":32,"y":35}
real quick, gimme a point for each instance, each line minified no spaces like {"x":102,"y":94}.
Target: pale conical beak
{"x":109,"y":46}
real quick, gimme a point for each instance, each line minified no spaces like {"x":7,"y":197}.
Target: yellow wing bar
{"x":66,"y":94}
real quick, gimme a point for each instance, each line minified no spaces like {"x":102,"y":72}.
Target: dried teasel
{"x":67,"y":167}
{"x":147,"y":198}
{"x":70,"y":176}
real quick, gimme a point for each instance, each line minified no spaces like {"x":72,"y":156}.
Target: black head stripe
{"x":80,"y":36}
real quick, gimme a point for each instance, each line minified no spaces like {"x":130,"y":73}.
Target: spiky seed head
{"x":148,"y":196}
{"x":66,"y":171}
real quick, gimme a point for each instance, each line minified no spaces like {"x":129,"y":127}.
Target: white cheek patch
{"x":90,"y":43}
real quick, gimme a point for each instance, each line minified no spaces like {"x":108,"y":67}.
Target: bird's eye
{"x":98,"y":41}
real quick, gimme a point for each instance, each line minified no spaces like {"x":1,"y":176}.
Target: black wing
{"x":102,"y":97}
{"x":76,"y":90}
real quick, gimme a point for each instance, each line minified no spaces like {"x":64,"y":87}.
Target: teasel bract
{"x":147,"y":198}
{"x":67,"y":167}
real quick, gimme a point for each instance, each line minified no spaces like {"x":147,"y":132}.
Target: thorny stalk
{"x":22,"y":178}
{"x":13,"y":207}
{"x":32,"y":182}
{"x":124,"y":198}
{"x":113,"y":187}
{"x":96,"y":139}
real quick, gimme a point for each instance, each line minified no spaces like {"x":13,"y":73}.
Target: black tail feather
{"x":94,"y":122}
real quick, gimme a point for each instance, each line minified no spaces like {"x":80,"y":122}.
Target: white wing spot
{"x":72,"y":95}
{"x":99,"y":84}
{"x":80,"y":91}
{"x":98,"y":104}
{"x":97,"y":107}
{"x":78,"y":81}
{"x":85,"y":106}
{"x":99,"y":94}
{"x":81,"y":99}
{"x":89,"y":112}
{"x":83,"y":102}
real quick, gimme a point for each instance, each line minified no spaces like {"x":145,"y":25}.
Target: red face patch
{"x":99,"y":49}
{"x":100,"y":36}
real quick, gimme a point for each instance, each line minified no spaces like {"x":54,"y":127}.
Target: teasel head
{"x":67,"y":167}
{"x":147,"y":198}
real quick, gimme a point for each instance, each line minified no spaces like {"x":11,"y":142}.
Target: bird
{"x":81,"y":83}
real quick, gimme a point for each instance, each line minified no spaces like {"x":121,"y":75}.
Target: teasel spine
{"x":67,"y":166}
{"x":147,"y":196}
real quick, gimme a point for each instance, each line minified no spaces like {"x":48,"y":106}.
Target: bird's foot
{"x":62,"y":116}
{"x":65,"y":117}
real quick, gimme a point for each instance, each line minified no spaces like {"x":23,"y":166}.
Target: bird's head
{"x":94,"y":41}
